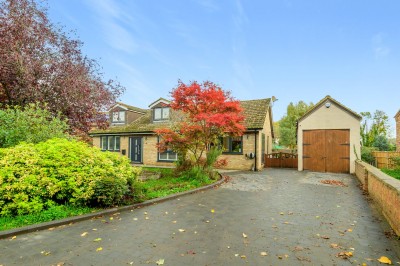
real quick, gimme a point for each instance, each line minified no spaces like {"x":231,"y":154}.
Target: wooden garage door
{"x":326,"y":150}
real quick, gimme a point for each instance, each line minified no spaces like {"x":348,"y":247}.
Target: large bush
{"x":34,"y":177}
{"x":29,"y":124}
{"x":366,"y":154}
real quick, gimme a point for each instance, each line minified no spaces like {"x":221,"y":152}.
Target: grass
{"x":167,"y":184}
{"x":392,"y":172}
{"x":53,"y":213}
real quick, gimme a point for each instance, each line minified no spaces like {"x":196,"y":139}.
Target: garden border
{"x":46,"y":225}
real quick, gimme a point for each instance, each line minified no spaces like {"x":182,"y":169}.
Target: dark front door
{"x":136,"y":149}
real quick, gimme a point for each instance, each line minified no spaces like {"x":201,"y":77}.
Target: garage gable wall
{"x":334,"y":117}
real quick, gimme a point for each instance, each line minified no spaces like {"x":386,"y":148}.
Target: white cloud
{"x":111,"y":18}
{"x":379,"y":48}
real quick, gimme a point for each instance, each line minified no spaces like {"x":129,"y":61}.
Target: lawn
{"x":392,"y":172}
{"x":167,"y":184}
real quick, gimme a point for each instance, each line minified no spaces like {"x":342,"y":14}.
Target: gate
{"x":280,"y":160}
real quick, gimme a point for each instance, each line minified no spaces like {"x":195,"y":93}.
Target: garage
{"x":326,"y":150}
{"x":328,"y":138}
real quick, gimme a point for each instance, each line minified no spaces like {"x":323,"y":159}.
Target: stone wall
{"x":384,"y":190}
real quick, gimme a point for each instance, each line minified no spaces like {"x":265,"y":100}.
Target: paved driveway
{"x":289,"y":215}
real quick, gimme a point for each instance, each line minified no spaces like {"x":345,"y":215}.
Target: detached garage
{"x":328,"y":136}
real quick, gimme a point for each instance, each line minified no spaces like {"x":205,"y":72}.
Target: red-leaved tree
{"x":40,"y":63}
{"x":206,"y":113}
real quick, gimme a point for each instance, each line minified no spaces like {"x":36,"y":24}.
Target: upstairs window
{"x":118,"y":117}
{"x":232,"y":145}
{"x":110,"y":143}
{"x":161,"y":113}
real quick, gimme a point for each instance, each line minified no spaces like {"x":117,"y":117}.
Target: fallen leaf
{"x":350,"y":230}
{"x":84,"y":234}
{"x":364,"y":264}
{"x":146,"y":218}
{"x":45,"y":253}
{"x":334,"y":246}
{"x":99,"y":249}
{"x":174,"y":222}
{"x":191,"y":252}
{"x":51,"y":228}
{"x":384,"y":260}
{"x":14,"y":237}
{"x":207,"y":221}
{"x":300,"y":258}
{"x":281,"y":213}
{"x":280,"y":257}
{"x":97,"y":239}
{"x":333,"y":182}
{"x":94,"y":229}
{"x":236,"y":255}
{"x":212,"y":210}
{"x":344,"y":255}
{"x":298,"y":248}
{"x":325,"y":237}
{"x":264,"y":253}
{"x":145,"y":213}
{"x":182,"y":230}
{"x":61,"y":264}
{"x":135,"y":219}
{"x":166,"y":213}
{"x":244,"y":235}
{"x":160,"y":262}
{"x":111,"y":218}
{"x":243,"y":256}
{"x":286,"y":256}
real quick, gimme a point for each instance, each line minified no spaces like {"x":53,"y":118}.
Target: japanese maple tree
{"x":39,"y":62}
{"x":209,"y":113}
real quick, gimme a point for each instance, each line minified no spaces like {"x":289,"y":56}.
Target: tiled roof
{"x":317,"y":105}
{"x":133,"y":108}
{"x":254,"y":111}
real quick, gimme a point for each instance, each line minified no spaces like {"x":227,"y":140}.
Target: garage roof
{"x":331,"y":100}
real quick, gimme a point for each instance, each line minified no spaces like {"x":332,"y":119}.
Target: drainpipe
{"x":255,"y":150}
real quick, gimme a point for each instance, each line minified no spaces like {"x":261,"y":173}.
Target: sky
{"x":293,"y":50}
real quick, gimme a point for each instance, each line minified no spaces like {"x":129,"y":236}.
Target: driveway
{"x":273,"y":217}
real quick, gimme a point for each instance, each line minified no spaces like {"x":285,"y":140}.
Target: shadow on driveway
{"x":273,"y":217}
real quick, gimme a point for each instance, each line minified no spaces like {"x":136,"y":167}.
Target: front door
{"x":135,"y":145}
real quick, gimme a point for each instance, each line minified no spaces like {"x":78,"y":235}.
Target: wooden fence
{"x":383,"y":159}
{"x":281,"y":160}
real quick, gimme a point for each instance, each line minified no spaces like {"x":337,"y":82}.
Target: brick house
{"x":397,"y":118}
{"x":132,"y":134}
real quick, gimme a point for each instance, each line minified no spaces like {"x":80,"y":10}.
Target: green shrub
{"x":29,"y":124}
{"x":366,"y":154}
{"x":34,"y":177}
{"x":196,"y":173}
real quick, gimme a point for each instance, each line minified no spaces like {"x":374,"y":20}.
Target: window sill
{"x":166,"y":161}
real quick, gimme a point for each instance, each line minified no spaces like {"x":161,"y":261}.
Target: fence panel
{"x":383,"y":159}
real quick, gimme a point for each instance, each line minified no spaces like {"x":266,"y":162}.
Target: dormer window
{"x":118,"y":117}
{"x":161,"y":113}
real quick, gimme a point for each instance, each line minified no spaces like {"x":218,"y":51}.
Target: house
{"x":397,"y":118}
{"x":132,"y":133}
{"x":328,"y":138}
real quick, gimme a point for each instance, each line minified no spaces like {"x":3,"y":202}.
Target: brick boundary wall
{"x":384,"y":190}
